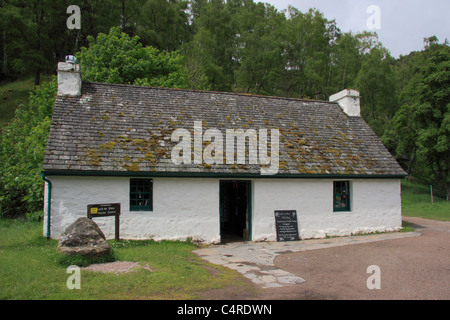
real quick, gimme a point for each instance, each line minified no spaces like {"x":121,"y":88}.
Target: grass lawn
{"x":32,"y":269}
{"x":416,"y":202}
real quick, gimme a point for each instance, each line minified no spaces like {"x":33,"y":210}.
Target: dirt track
{"x":410,"y":268}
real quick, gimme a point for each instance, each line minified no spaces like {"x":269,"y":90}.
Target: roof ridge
{"x":211,"y":92}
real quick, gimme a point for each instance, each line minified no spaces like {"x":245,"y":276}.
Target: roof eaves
{"x":218,"y":175}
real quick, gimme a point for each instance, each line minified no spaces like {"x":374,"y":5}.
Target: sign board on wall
{"x":286,"y":225}
{"x":105,"y":210}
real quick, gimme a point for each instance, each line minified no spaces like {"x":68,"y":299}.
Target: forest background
{"x":233,"y":46}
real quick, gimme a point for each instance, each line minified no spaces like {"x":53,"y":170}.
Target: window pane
{"x":341,"y":197}
{"x":141,"y":195}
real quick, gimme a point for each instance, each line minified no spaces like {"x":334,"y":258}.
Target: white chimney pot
{"x":69,"y":79}
{"x":349,"y":101}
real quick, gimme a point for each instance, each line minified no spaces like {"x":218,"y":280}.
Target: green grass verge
{"x":416,"y":202}
{"x":32,"y":269}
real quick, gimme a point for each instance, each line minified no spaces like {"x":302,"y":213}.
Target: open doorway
{"x":235,"y":210}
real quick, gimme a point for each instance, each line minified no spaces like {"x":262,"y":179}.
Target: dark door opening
{"x":234,"y":210}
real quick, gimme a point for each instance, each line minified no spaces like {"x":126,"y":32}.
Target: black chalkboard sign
{"x":286,"y":224}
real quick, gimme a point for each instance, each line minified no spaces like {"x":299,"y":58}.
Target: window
{"x":341,"y":193}
{"x":141,"y":195}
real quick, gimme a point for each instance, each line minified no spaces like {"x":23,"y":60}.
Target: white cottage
{"x":214,"y":166}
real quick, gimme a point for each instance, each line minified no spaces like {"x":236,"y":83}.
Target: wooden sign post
{"x":106,"y":210}
{"x":286,"y":224}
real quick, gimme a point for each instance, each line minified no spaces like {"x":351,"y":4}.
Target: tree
{"x":421,"y":127}
{"x":163,"y":24}
{"x":346,"y":62}
{"x":34,"y":35}
{"x":118,"y":58}
{"x":213,"y":45}
{"x":197,"y":63}
{"x":376,"y":83}
{"x":11,"y":40}
{"x":258,"y":49}
{"x":22,"y":149}
{"x":308,"y":42}
{"x":26,"y":29}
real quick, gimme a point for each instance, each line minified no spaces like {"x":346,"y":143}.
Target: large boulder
{"x":84,"y":238}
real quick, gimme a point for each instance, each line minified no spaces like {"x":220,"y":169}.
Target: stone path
{"x":255,"y":260}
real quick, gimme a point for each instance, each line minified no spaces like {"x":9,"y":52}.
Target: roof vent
{"x":69,"y":78}
{"x":348,"y":100}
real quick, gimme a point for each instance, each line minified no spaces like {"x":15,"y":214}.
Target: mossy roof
{"x":123,"y":128}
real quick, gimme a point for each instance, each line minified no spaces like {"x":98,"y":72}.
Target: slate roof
{"x":124,"y":129}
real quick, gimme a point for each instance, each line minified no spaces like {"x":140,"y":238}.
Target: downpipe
{"x":49,"y":202}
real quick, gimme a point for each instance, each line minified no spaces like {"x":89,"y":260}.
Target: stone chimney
{"x":69,"y":79}
{"x":348,"y":100}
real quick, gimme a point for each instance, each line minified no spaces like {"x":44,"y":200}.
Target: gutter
{"x":49,"y":203}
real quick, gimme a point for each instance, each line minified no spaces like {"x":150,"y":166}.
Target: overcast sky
{"x":402,"y":23}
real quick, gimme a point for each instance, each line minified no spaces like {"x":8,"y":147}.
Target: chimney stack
{"x":69,"y":78}
{"x":348,"y":100}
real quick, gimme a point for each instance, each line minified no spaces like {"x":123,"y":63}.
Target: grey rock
{"x":84,"y":238}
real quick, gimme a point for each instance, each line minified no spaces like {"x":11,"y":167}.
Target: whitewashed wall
{"x":375,"y":206}
{"x":181,"y":207}
{"x":189,"y":207}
